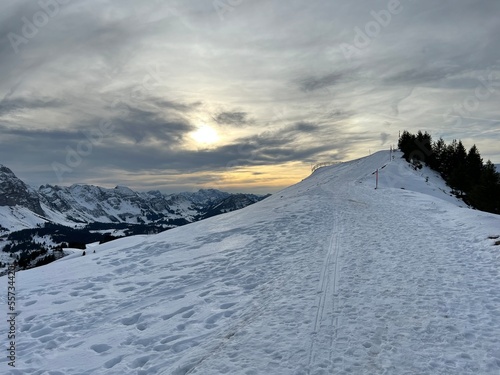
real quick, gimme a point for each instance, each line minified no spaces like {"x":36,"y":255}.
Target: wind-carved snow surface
{"x":329,"y":276}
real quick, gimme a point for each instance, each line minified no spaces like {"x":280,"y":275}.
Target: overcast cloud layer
{"x":112,"y":92}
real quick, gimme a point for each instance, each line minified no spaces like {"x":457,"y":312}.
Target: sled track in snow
{"x":326,"y":320}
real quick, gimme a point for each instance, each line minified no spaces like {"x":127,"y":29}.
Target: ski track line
{"x":327,"y":290}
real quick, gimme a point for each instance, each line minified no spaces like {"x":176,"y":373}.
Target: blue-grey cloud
{"x":271,"y":77}
{"x":231,"y":118}
{"x":11,"y":105}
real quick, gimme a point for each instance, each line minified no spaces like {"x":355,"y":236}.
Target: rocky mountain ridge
{"x":23,"y":207}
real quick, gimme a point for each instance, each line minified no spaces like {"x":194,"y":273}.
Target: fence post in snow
{"x":376,"y":179}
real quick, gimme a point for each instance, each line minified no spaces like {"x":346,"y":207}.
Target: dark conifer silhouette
{"x":478,"y":184}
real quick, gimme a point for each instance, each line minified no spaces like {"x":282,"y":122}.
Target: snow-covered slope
{"x":329,"y":276}
{"x":18,"y":218}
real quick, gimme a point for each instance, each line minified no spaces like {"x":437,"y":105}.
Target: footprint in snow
{"x":212,"y":320}
{"x":113,"y":362}
{"x":226,"y":306}
{"x":131,"y":319}
{"x":100,"y":348}
{"x":42,"y":332}
{"x":127,"y":289}
{"x":84,"y":286}
{"x":179,"y":311}
{"x":188,"y":314}
{"x":60,"y":302}
{"x":168,"y":339}
{"x":140,"y":362}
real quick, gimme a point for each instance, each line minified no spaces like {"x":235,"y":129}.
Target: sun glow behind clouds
{"x":205,"y":135}
{"x":259,"y":179}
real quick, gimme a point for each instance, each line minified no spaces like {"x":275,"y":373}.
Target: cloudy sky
{"x":239,"y":95}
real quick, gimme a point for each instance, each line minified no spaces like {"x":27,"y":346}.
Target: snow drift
{"x":327,"y":276}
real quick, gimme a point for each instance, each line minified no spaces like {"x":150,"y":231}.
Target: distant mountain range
{"x":22,"y":206}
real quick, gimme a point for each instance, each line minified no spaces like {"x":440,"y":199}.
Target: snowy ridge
{"x":19,"y":204}
{"x":18,"y":218}
{"x":89,"y":203}
{"x":326,"y":276}
{"x":80,"y":204}
{"x":231,"y":203}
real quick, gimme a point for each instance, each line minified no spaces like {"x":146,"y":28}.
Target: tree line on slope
{"x":29,"y":249}
{"x":477,"y":183}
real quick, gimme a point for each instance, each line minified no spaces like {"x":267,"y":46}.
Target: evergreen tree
{"x":435,"y":159}
{"x":424,"y":145}
{"x":406,"y":144}
{"x":448,"y":159}
{"x":460,"y":154}
{"x":464,"y":172}
{"x":458,"y":176}
{"x":474,"y":165}
{"x":486,"y":194}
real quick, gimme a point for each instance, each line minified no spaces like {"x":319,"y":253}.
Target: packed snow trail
{"x":326,"y":319}
{"x":327,"y":276}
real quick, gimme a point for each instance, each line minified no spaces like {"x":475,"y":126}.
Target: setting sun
{"x":205,"y":135}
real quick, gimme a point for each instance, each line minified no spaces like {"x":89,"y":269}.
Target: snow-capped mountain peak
{"x":125,"y":191}
{"x":14,"y":192}
{"x":82,"y":203}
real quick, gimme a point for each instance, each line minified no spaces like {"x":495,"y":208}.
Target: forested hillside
{"x":476,"y":182}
